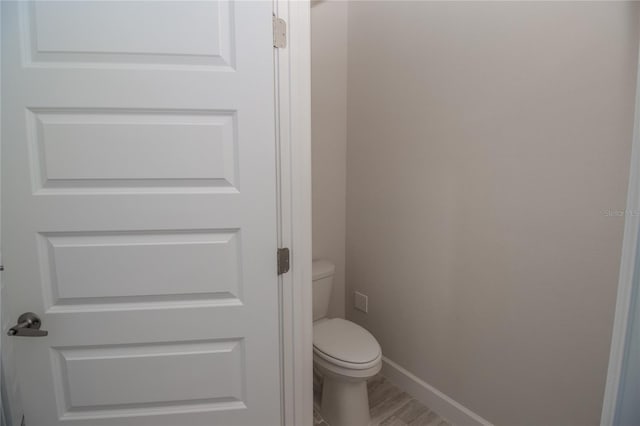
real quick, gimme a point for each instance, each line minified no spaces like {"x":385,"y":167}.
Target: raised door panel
{"x":195,"y":33}
{"x":115,"y":268}
{"x":105,"y":149}
{"x":96,"y":382}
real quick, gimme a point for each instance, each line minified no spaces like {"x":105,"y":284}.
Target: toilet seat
{"x":345,"y":344}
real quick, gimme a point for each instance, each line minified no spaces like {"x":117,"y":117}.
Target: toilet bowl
{"x":345,"y":355}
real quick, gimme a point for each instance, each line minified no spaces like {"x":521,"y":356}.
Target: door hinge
{"x":279,"y":32}
{"x":283,"y":260}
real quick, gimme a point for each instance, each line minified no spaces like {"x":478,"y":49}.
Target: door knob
{"x":28,"y":326}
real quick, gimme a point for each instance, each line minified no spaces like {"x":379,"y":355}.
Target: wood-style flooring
{"x":389,"y":406}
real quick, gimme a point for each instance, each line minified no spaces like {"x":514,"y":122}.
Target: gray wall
{"x":486,"y":142}
{"x":329,"y":138}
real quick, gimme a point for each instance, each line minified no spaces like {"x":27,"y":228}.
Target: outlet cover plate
{"x":361,"y":302}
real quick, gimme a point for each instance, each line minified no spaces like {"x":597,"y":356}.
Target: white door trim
{"x":293,"y":127}
{"x":628,"y":268}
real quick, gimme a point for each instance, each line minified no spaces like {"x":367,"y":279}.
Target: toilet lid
{"x":345,"y":341}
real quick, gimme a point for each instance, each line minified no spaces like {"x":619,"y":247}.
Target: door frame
{"x":292,"y":80}
{"x":629,"y":271}
{"x":293,"y":135}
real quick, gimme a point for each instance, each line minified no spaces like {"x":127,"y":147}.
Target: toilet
{"x":344,"y":354}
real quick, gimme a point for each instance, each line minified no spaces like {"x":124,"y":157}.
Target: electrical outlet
{"x":361,"y":302}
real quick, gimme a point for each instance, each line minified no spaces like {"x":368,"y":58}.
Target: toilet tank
{"x":322,"y":271}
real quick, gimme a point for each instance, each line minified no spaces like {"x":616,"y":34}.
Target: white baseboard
{"x":446,"y":407}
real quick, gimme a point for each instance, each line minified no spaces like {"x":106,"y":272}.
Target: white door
{"x":139,"y":211}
